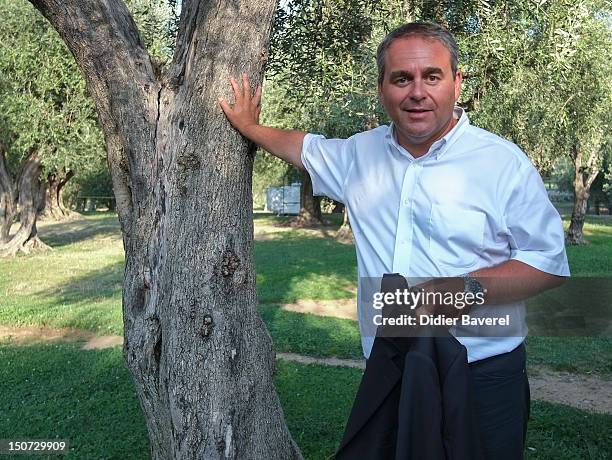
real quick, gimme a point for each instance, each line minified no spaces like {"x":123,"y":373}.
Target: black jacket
{"x":414,"y":402}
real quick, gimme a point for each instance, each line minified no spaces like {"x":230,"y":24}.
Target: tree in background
{"x":47,"y":124}
{"x":196,"y":347}
{"x":554,"y":95}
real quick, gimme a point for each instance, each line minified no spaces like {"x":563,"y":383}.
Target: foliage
{"x":553,"y":91}
{"x":93,"y":182}
{"x":323,"y":79}
{"x":43,"y":101}
{"x":157,"y":22}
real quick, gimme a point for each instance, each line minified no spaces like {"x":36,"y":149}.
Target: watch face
{"x":473,"y":285}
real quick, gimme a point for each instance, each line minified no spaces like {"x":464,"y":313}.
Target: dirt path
{"x":31,"y":334}
{"x":586,"y":392}
{"x":341,"y":308}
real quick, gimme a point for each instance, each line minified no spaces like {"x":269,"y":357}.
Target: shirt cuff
{"x":542,"y":262}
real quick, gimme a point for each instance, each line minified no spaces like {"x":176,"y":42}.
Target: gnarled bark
{"x":8,"y":205}
{"x":198,"y":351}
{"x":583,"y":179}
{"x":31,"y":191}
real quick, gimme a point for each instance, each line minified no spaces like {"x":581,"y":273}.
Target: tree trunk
{"x":575,"y":234}
{"x":49,"y":207}
{"x":344,"y":233}
{"x":8,"y":206}
{"x":53,"y":206}
{"x":60,"y":194}
{"x":310,"y":206}
{"x":583,"y":179}
{"x":31,"y":192}
{"x":197,"y":349}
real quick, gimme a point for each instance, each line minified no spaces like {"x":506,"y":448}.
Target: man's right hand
{"x":244,"y":116}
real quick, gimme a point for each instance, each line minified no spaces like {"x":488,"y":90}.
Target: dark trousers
{"x":501,"y":393}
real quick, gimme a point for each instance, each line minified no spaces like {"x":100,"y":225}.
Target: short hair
{"x":417,"y":29}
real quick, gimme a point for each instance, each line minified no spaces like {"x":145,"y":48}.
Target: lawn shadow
{"x":288,"y":268}
{"x":291,"y":266}
{"x":102,"y":283}
{"x":79,"y":229}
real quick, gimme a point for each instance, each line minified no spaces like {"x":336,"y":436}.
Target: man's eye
{"x":401,"y":80}
{"x":433,"y":78}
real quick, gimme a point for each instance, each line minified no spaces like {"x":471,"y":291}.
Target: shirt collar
{"x":439,"y":147}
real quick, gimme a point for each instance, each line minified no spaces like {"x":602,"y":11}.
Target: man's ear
{"x":380,"y":93}
{"x":458,"y":80}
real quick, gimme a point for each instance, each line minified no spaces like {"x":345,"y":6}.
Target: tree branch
{"x":184,"y":41}
{"x":69,"y":175}
{"x":591,"y":178}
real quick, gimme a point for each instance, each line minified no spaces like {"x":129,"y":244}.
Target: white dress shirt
{"x":474,"y":200}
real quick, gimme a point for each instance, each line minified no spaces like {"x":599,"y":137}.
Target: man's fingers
{"x":257,"y":98}
{"x":246,"y":107}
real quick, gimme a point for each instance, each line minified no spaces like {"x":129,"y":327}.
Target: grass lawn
{"x":88,"y":397}
{"x":79,"y":285}
{"x":594,"y":259}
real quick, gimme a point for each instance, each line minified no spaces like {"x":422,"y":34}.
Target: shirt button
{"x":406,"y":202}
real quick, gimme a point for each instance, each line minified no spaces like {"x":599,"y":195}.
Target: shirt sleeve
{"x":328,"y":161}
{"x":534,"y":226}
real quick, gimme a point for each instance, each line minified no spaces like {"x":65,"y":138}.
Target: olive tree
{"x":554,"y":98}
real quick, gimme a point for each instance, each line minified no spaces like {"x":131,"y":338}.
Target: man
{"x":432,"y":196}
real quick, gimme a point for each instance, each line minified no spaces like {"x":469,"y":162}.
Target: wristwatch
{"x":471,"y":284}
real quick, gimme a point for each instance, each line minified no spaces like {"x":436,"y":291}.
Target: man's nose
{"x":418,"y":91}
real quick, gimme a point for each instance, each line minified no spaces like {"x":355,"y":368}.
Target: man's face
{"x":419,"y":92}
